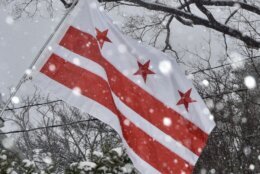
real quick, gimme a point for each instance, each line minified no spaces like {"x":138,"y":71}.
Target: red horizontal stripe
{"x":134,"y":96}
{"x":95,"y":88}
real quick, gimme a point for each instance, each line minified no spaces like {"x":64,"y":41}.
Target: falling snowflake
{"x":151,"y":110}
{"x":219,"y":106}
{"x":76,"y":61}
{"x":126,"y":122}
{"x":211,"y":117}
{"x":122,"y":48}
{"x":28,"y":72}
{"x":252,"y":167}
{"x":205,"y":83}
{"x":15,"y":100}
{"x":247,"y":150}
{"x":13,"y":89}
{"x":250,"y":82}
{"x":101,"y":8}
{"x":9,"y":20}
{"x":203,"y":171}
{"x":165,"y":66}
{"x":212,"y":171}
{"x":76,"y":91}
{"x":244,"y":120}
{"x":167,"y":121}
{"x":50,"y":48}
{"x":199,"y":150}
{"x":52,"y":67}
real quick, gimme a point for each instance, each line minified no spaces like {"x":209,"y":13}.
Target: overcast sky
{"x":20,"y":40}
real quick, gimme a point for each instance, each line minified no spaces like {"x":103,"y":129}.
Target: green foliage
{"x":11,"y":163}
{"x":115,"y":161}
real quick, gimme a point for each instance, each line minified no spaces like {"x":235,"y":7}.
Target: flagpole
{"x":37,"y":58}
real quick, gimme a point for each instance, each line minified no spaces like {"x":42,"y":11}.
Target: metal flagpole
{"x":37,"y":58}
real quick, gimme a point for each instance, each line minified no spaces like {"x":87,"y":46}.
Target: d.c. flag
{"x":136,"y":89}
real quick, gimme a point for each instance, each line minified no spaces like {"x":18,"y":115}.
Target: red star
{"x":185,"y":99}
{"x":144,"y":70}
{"x":102,"y":37}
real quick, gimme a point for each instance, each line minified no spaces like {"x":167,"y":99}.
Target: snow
{"x":250,"y":82}
{"x":8,"y":143}
{"x":167,"y":121}
{"x":47,"y":160}
{"x":76,"y":61}
{"x":127,"y":168}
{"x":101,"y":8}
{"x":28,"y":71}
{"x":205,"y":82}
{"x":199,"y":150}
{"x":212,"y":171}
{"x":11,"y":171}
{"x":9,"y":20}
{"x":118,"y":150}
{"x":87,"y":166}
{"x":52,"y":67}
{"x":211,"y":117}
{"x":252,"y":167}
{"x":219,"y":106}
{"x":126,"y":122}
{"x":15,"y":100}
{"x":247,"y":150}
{"x":244,"y":120}
{"x":122,"y":48}
{"x":98,"y":154}
{"x":3,"y":157}
{"x":165,"y":66}
{"x":13,"y":89}
{"x":28,"y":163}
{"x":50,"y":48}
{"x":151,"y":110}
{"x":76,"y":91}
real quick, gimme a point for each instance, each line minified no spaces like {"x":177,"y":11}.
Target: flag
{"x":139,"y":91}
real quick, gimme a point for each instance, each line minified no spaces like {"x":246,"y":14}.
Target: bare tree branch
{"x":196,"y":20}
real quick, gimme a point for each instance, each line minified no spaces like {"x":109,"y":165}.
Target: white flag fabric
{"x":136,"y":89}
